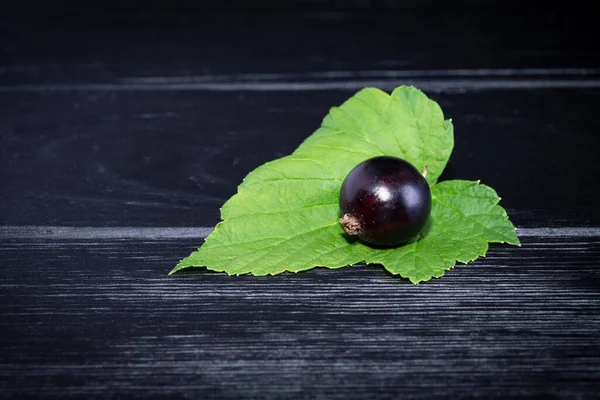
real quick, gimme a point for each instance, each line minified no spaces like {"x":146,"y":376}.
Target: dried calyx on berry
{"x":385,"y":201}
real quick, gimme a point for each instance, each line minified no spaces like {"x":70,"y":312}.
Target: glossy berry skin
{"x":385,"y":201}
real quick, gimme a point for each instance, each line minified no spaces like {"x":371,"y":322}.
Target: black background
{"x":143,"y":115}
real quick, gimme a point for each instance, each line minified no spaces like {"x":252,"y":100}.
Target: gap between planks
{"x":158,"y":233}
{"x":437,"y":86}
{"x":440,"y":80}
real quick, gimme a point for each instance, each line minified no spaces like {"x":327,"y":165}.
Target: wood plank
{"x":100,"y":317}
{"x":173,"y":158}
{"x":56,"y":44}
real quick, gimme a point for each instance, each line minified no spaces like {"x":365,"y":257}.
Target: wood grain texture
{"x":100,"y":318}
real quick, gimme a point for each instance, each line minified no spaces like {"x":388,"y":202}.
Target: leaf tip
{"x":517,"y":241}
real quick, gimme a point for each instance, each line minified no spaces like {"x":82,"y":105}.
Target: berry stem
{"x":351,"y":224}
{"x":425,"y":171}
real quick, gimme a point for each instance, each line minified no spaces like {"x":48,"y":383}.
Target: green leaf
{"x":285,"y":214}
{"x":465,"y":217}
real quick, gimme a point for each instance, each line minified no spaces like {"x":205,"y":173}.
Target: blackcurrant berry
{"x":385,"y":201}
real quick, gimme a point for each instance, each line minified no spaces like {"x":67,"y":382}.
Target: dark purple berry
{"x":385,"y":201}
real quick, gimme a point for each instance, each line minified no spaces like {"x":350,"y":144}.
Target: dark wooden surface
{"x":122,"y":132}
